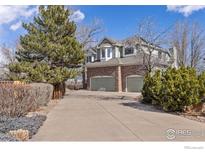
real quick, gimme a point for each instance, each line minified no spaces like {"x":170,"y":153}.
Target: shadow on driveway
{"x":141,"y":106}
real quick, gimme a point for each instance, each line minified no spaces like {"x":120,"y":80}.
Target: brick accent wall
{"x":102,"y":71}
{"x":119,"y":78}
{"x":115,"y":71}
{"x":130,"y":70}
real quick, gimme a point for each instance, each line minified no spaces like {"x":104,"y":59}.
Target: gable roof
{"x":131,"y":41}
{"x":110,"y":40}
{"x":91,"y":51}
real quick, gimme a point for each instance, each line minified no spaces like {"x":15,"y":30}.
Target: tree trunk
{"x":84,"y":77}
{"x":63,"y":88}
{"x":59,"y":90}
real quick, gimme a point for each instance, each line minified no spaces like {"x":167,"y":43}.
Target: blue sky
{"x":119,"y":21}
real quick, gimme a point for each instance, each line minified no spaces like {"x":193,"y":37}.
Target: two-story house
{"x":120,"y":65}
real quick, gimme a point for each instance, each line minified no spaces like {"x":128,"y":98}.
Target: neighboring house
{"x":119,"y":66}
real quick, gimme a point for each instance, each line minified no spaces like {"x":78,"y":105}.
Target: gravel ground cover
{"x":32,"y":124}
{"x":4,"y":137}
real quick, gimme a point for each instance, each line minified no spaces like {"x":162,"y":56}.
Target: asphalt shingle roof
{"x":130,"y":60}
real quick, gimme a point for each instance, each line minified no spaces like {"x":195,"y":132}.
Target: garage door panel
{"x":102,"y":84}
{"x":134,"y":84}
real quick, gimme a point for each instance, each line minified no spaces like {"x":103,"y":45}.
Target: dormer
{"x":91,"y":55}
{"x":108,"y":49}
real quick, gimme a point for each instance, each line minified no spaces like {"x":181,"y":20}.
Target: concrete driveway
{"x":104,"y":116}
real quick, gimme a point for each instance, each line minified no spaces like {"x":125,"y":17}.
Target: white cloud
{"x":12,"y":13}
{"x":186,"y":10}
{"x":77,"y":16}
{"x":31,"y":11}
{"x":16,"y":26}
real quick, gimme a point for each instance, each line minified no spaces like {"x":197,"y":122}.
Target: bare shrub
{"x":16,"y":99}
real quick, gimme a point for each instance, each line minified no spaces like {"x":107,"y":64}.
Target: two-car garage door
{"x":134,"y":83}
{"x":102,"y":83}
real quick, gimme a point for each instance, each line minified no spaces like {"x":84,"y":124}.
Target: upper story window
{"x":129,"y":50}
{"x":106,"y":53}
{"x":109,"y":52}
{"x":103,"y":53}
{"x":89,"y":59}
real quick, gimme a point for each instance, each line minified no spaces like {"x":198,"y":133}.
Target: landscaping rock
{"x":43,"y":93}
{"x":20,"y":134}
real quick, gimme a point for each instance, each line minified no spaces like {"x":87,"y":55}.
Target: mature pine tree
{"x":49,"y":50}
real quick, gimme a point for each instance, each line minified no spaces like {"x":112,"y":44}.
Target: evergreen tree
{"x":49,"y":50}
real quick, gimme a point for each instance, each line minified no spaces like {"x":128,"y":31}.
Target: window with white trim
{"x":89,"y":59}
{"x":103,"y":53}
{"x":129,"y":50}
{"x":109,"y":52}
